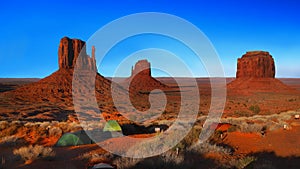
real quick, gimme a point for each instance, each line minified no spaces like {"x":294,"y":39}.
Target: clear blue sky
{"x":30,"y":30}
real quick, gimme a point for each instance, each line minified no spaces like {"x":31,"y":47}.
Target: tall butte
{"x":256,"y":73}
{"x":51,"y":97}
{"x":68,"y":55}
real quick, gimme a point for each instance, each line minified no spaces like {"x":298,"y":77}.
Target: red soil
{"x":283,"y":142}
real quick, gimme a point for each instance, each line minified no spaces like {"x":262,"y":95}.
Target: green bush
{"x":255,"y":109}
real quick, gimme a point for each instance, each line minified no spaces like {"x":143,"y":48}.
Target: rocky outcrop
{"x":52,"y":98}
{"x":74,"y":50}
{"x":256,"y":73}
{"x":141,"y":83}
{"x":141,"y":79}
{"x":256,"y":64}
{"x":142,"y":67}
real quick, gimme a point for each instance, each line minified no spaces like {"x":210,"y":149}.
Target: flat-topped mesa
{"x":256,"y":64}
{"x":68,"y":54}
{"x":142,"y":68}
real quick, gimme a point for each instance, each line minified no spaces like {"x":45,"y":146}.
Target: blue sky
{"x":30,"y":31}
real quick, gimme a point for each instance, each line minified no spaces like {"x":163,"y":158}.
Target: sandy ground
{"x":282,"y":143}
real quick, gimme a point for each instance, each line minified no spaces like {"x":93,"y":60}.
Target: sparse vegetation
{"x":31,"y":153}
{"x":207,"y":147}
{"x":191,"y":138}
{"x":242,"y":162}
{"x":251,"y":127}
{"x":55,"y":132}
{"x":255,"y":109}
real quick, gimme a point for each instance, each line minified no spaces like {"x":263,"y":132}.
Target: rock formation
{"x":256,"y":73}
{"x":142,"y":67}
{"x":51,"y":98}
{"x":256,"y":64}
{"x":74,"y":50}
{"x":141,"y":79}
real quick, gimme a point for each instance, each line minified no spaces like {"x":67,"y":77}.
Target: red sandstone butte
{"x":257,"y":64}
{"x":141,"y":79}
{"x":256,"y":73}
{"x":142,"y":67}
{"x":71,"y":51}
{"x":51,"y":98}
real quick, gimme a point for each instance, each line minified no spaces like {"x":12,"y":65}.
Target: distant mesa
{"x":256,"y":64}
{"x":256,"y":73}
{"x":68,"y":54}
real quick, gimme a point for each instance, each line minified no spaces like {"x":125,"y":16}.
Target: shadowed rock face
{"x":69,"y":53}
{"x":256,"y":64}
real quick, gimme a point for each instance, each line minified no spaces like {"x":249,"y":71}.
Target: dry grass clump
{"x":55,"y":132}
{"x":251,"y":127}
{"x":8,"y":129}
{"x":93,"y":158}
{"x":31,"y":153}
{"x":240,"y":163}
{"x":39,"y":130}
{"x":125,"y":163}
{"x":167,"y":160}
{"x":191,"y":138}
{"x":258,"y":122}
{"x":69,"y":127}
{"x":3,"y":125}
{"x":207,"y":147}
{"x":255,"y":109}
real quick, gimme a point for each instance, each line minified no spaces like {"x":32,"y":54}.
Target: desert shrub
{"x":255,"y":109}
{"x":64,"y":126}
{"x":275,"y":126}
{"x":241,"y":163}
{"x":54,"y":123}
{"x":30,"y":125}
{"x":9,"y":131}
{"x":31,"y":153}
{"x":45,"y":125}
{"x":55,"y":132}
{"x":74,"y":127}
{"x":207,"y":147}
{"x":3,"y":125}
{"x":191,"y":138}
{"x":124,"y":163}
{"x":251,"y":128}
{"x":97,"y":157}
{"x":69,"y":127}
{"x":167,"y":160}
